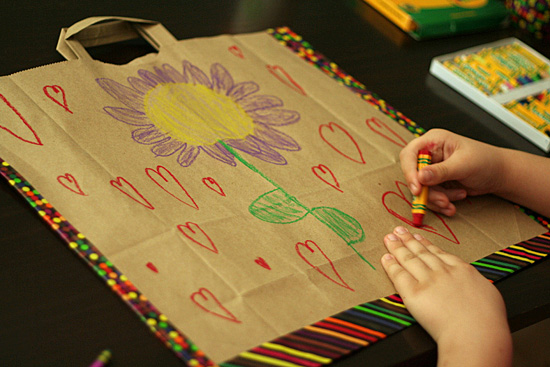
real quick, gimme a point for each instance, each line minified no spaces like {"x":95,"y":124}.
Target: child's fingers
{"x":443,"y":257}
{"x":406,"y":258}
{"x":402,"y":280}
{"x":418,"y":248}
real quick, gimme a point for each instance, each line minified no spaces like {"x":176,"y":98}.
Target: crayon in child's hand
{"x":420,"y":202}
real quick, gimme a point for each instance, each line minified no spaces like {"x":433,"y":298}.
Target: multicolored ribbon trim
{"x":314,"y":345}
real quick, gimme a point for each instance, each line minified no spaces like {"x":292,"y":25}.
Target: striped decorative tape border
{"x":313,"y":345}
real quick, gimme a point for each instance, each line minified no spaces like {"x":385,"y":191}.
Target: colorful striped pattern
{"x":313,"y":345}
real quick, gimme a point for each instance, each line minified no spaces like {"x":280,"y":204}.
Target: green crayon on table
{"x":420,"y":202}
{"x":103,"y":359}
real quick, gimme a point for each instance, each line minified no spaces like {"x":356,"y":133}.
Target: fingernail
{"x":400,"y":230}
{"x":387,"y":257}
{"x":418,"y":237}
{"x":391,"y":237}
{"x":461,"y":195}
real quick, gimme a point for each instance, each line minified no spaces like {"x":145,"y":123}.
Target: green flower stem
{"x":342,"y":224}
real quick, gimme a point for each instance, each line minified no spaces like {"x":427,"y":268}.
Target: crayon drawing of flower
{"x":185,"y":113}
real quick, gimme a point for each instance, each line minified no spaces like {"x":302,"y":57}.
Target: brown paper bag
{"x":258,"y":188}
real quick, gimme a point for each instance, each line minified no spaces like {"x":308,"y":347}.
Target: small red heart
{"x":382,"y":129}
{"x":198,"y":236}
{"x":152,"y":266}
{"x":213,"y":185}
{"x":36,"y":141}
{"x":331,"y":134}
{"x":322,"y":172}
{"x":314,"y":252}
{"x":69,"y":182}
{"x":281,"y":74}
{"x":260,"y":261}
{"x":208,"y":302}
{"x":236,"y":51}
{"x":122,"y":185}
{"x":426,"y":228}
{"x":169,"y":183}
{"x":59,"y":99}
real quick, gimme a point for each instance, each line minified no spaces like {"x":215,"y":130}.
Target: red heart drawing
{"x":213,"y":185}
{"x":152,"y":266}
{"x":281,"y":74}
{"x":346,"y":150}
{"x":236,"y":51}
{"x":427,"y":228}
{"x":60,"y":99}
{"x":122,"y":185}
{"x":260,"y":261}
{"x":197,"y":235}
{"x":29,"y":127}
{"x":322,"y":171}
{"x":170,"y":184}
{"x":316,"y":252}
{"x":382,"y":129}
{"x":208,"y":302}
{"x":69,"y":182}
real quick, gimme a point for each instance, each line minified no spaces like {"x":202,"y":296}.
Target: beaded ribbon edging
{"x":313,"y":345}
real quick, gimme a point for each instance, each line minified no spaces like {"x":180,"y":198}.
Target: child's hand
{"x":454,"y":303}
{"x":460,"y":167}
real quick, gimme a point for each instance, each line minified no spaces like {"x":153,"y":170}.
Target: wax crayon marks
{"x":57,"y":95}
{"x":236,"y":50}
{"x":70,"y":183}
{"x":126,"y":187}
{"x":208,"y":302}
{"x":284,"y":77}
{"x":197,"y":235}
{"x":393,"y":202}
{"x":326,"y":175}
{"x":313,"y":255}
{"x":339,"y":139}
{"x":19,"y":131}
{"x":164,"y":179}
{"x":382,"y":129}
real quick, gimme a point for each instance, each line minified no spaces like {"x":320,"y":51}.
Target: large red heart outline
{"x":427,"y":228}
{"x":285,"y":78}
{"x":195,"y":233}
{"x":349,"y":149}
{"x":382,"y":129}
{"x":70,"y":183}
{"x":313,"y":251}
{"x":169,"y":183}
{"x":208,"y":302}
{"x":326,"y":175}
{"x":124,"y":186}
{"x":36,"y":140}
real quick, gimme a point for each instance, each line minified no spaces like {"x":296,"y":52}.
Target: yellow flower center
{"x":195,"y":114}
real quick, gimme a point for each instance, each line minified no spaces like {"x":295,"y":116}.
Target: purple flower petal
{"x":149,"y":135}
{"x":241,"y":90}
{"x":275,"y":116}
{"x":196,"y":75}
{"x":140,"y":85}
{"x":260,"y":102}
{"x":173,"y":74}
{"x":162,"y":75}
{"x":150,"y":77}
{"x":217,"y":151}
{"x":222,"y":81}
{"x":188,"y":155}
{"x":275,"y":138}
{"x":167,"y":148}
{"x":128,"y":96}
{"x":257,"y":148}
{"x":130,"y":117}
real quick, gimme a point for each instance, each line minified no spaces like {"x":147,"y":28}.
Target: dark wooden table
{"x":55,"y":311}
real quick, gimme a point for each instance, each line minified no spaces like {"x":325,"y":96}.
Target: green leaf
{"x":277,"y":207}
{"x":344,"y":225}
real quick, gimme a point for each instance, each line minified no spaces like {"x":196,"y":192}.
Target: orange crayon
{"x":420,"y":202}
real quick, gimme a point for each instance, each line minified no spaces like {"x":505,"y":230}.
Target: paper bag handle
{"x":97,"y":31}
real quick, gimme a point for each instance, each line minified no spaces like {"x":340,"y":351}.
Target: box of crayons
{"x":508,"y":79}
